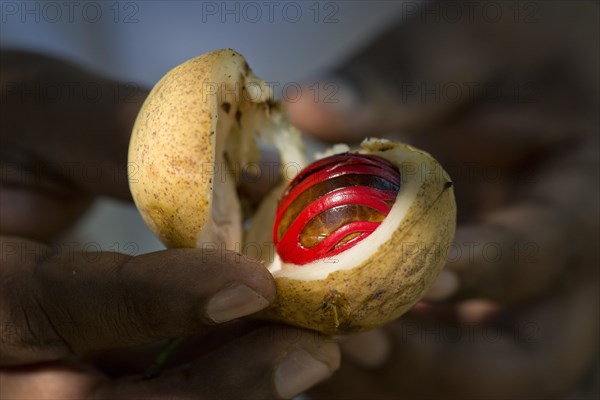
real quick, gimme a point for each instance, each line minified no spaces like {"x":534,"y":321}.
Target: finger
{"x":369,"y":349}
{"x":339,"y":112}
{"x":420,"y":77}
{"x":38,"y":213}
{"x":516,"y":348}
{"x":59,"y":303}
{"x":519,"y":251}
{"x":515,"y":354}
{"x":61,"y":119}
{"x":268,"y":363}
{"x":53,"y":380}
{"x":418,"y":73}
{"x":517,"y":254}
{"x":271,"y":362}
{"x":500,"y":135}
{"x":132,"y":360}
{"x":444,"y":287}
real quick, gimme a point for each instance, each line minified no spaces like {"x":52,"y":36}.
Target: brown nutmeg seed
{"x":332,"y":205}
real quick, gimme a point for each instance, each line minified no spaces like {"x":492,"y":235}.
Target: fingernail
{"x":445,"y":286}
{"x":368,"y":349}
{"x":234,"y":301}
{"x":299,"y":371}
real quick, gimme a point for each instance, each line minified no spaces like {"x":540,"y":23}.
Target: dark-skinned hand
{"x":86,"y":325}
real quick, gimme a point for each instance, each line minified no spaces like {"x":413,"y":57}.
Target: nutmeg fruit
{"x":358,"y":236}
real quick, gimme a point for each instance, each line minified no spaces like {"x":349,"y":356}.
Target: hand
{"x":521,"y":316}
{"x":86,"y":325}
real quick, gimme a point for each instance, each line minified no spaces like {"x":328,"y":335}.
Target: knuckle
{"x":27,"y":331}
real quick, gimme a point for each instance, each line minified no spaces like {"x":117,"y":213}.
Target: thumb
{"x":55,"y":303}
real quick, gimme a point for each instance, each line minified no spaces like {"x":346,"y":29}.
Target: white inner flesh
{"x":411,"y":182}
{"x":224,"y":227}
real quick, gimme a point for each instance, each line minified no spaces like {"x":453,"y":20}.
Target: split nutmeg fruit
{"x":359,"y":235}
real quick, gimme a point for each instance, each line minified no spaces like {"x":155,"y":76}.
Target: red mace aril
{"x":332,"y":205}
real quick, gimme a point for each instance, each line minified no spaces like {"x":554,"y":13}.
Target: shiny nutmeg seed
{"x":333,"y":204}
{"x":372,"y":193}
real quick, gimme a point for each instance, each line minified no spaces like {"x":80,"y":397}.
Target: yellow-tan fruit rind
{"x":199,"y":123}
{"x":207,"y":115}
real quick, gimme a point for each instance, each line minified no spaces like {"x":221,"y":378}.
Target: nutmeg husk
{"x":209,"y":113}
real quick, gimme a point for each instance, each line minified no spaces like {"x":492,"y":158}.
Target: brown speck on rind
{"x":347,"y":326}
{"x":386,"y":147}
{"x":271,"y":104}
{"x":226,"y":107}
{"x":448,"y":185}
{"x":238,"y":117}
{"x":377,"y":294}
